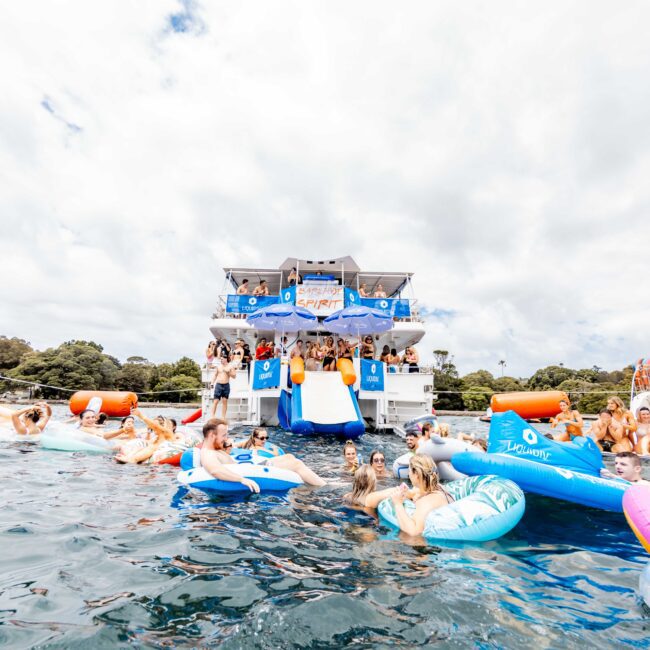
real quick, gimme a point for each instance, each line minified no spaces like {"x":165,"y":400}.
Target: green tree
{"x":445,"y":378}
{"x":75,"y":365}
{"x":188,"y":367}
{"x":138,"y":360}
{"x":507,"y":385}
{"x":550,"y":377}
{"x":478,"y":378}
{"x":12,"y":350}
{"x":477,"y":398}
{"x":134,"y":377}
{"x":179,"y":388}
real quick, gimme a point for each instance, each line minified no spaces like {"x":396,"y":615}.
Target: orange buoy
{"x":114,"y":403}
{"x":536,"y":404}
{"x":346,"y":368}
{"x":297,"y":370}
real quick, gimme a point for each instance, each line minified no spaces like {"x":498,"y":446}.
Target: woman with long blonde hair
{"x":363,"y":489}
{"x":624,"y":417}
{"x":427,"y":494}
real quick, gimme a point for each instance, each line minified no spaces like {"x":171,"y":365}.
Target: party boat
{"x":361,"y":394}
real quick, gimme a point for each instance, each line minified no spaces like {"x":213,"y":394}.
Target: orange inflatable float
{"x":297,"y":370}
{"x":536,"y":404}
{"x":346,"y":368}
{"x":114,"y":403}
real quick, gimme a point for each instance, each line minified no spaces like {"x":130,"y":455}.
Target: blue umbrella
{"x":282,"y":317}
{"x":358,"y":320}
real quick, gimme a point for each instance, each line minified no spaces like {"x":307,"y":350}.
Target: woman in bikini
{"x":258,"y":441}
{"x":329,"y":354}
{"x":427,"y":494}
{"x":363,"y":492}
{"x":350,"y":457}
{"x":31,"y":420}
{"x":571,"y":418}
{"x":368,"y":348}
{"x":642,"y":434}
{"x":623,"y":416}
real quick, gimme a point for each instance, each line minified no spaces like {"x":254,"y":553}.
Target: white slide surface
{"x":326,"y":399}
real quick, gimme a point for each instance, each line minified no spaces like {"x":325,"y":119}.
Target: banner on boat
{"x":372,"y":374}
{"x":248,"y":304}
{"x":351,"y":298}
{"x":288,"y":295}
{"x":395,"y":307}
{"x":266,"y":374}
{"x":320,"y":300}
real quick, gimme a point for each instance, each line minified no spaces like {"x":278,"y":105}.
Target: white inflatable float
{"x":270,"y":479}
{"x":66,"y":437}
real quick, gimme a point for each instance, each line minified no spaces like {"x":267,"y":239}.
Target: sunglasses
{"x":378,"y":460}
{"x":261,"y":437}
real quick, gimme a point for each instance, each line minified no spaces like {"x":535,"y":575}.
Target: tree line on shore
{"x":83,"y":365}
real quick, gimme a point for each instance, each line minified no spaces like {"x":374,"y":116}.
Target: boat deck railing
{"x":221,"y":310}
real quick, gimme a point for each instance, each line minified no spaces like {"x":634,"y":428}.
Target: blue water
{"x":97,"y":554}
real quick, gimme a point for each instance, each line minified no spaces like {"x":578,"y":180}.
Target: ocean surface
{"x":96,"y":554}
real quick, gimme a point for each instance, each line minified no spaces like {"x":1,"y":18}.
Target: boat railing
{"x":223,"y":311}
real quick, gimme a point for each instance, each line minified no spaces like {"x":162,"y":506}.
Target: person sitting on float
{"x":258,"y":441}
{"x":32,"y":419}
{"x":480,"y":445}
{"x":140,"y":450}
{"x":608,"y":434}
{"x":427,"y":429}
{"x":427,"y":494}
{"x":623,"y":416}
{"x":627,"y":466}
{"x":412,"y":440}
{"x":569,"y":417}
{"x":642,"y":433}
{"x":444,"y":431}
{"x":215,"y":459}
{"x":363,"y":492}
{"x":350,"y":457}
{"x":377,"y":461}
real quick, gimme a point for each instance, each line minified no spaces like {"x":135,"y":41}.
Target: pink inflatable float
{"x":636,"y":506}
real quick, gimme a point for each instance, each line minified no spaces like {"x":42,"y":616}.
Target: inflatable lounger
{"x":636,"y":506}
{"x":270,"y":479}
{"x":557,"y":482}
{"x":64,"y":437}
{"x":485,"y":508}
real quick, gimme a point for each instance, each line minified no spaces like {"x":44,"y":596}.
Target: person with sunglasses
{"x":377,"y":461}
{"x":258,"y":442}
{"x":368,"y":348}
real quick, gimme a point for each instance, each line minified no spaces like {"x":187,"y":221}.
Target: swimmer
{"x":139,"y":450}
{"x":412,"y":439}
{"x":31,"y":420}
{"x":569,"y":417}
{"x":363,"y":489}
{"x":258,"y":440}
{"x":623,"y":416}
{"x":427,"y":495}
{"x":215,"y":459}
{"x":427,"y":430}
{"x":627,"y":465}
{"x":127,"y":430}
{"x":608,"y":434}
{"x":377,"y":461}
{"x":480,"y":445}
{"x":642,"y":433}
{"x":350,"y":457}
{"x":88,"y":423}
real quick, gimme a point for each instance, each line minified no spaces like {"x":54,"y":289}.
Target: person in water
{"x":627,"y":466}
{"x":608,"y":434}
{"x":623,"y":416}
{"x":642,"y":433}
{"x":377,"y":461}
{"x":258,"y":441}
{"x":31,"y":420}
{"x":350,"y":457}
{"x":412,"y":439}
{"x":215,"y":459}
{"x":363,"y":489}
{"x":571,"y":418}
{"x":480,"y":445}
{"x":427,"y":495}
{"x":163,"y":443}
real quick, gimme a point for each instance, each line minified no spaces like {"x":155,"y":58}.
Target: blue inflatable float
{"x":563,"y":470}
{"x":270,"y":479}
{"x":484,"y":508}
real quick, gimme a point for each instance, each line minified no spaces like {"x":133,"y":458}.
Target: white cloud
{"x":499,"y":151}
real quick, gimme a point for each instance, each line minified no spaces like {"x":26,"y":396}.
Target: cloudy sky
{"x":499,"y":150}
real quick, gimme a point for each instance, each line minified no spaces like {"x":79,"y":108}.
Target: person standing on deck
{"x":221,"y":381}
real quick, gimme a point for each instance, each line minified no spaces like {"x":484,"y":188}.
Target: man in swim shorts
{"x":627,"y":466}
{"x":214,"y":457}
{"x":221,"y":380}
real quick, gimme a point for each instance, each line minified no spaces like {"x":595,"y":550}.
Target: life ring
{"x":269,"y":479}
{"x":636,"y":507}
{"x":484,"y":508}
{"x":64,"y":437}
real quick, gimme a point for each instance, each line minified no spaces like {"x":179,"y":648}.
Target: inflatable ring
{"x":270,"y":479}
{"x":636,"y":506}
{"x":485,"y":508}
{"x":64,"y":437}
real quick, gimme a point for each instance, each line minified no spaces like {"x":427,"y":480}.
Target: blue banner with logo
{"x":266,"y":374}
{"x":372,"y":375}
{"x":397,"y":308}
{"x":248,"y":304}
{"x":288,"y":295}
{"x":351,"y":298}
